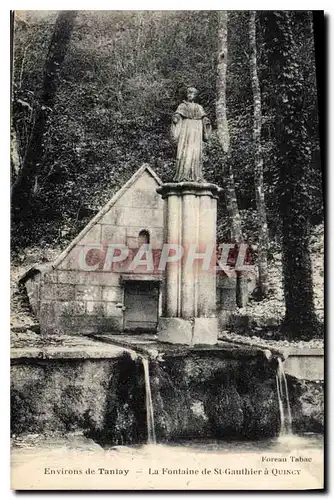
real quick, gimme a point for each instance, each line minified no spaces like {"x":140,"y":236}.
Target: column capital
{"x":189,"y":188}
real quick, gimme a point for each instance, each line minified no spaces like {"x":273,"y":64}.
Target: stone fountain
{"x":184,"y":383}
{"x":189,"y":309}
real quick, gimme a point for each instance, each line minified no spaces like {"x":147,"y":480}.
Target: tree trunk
{"x":258,"y":161}
{"x":15,"y":159}
{"x":294,"y":163}
{"x":222,"y":127}
{"x":24,"y":183}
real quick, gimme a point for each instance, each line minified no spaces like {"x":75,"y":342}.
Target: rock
{"x":307,"y":405}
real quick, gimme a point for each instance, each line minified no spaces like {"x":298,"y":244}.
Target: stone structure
{"x":80,"y":292}
{"x":189,"y":312}
{"x":68,"y":297}
{"x":189,"y":309}
{"x":98,"y":387}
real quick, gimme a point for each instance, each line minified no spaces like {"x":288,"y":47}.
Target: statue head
{"x":191,"y":94}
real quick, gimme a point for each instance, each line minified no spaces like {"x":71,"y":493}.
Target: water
{"x":149,"y":405}
{"x":283,"y":401}
{"x":285,"y":435}
{"x":281,"y":444}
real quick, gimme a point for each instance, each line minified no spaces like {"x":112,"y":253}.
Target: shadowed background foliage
{"x":122,"y":76}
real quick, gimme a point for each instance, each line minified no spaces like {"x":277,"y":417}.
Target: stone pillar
{"x":188,"y":237}
{"x":190,"y":302}
{"x":173,"y":270}
{"x":207,"y":235}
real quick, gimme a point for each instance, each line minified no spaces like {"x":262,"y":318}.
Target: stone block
{"x":146,"y":199}
{"x":88,"y":293}
{"x":53,"y":291}
{"x":132,"y":242}
{"x":205,"y":331}
{"x":51,"y":277}
{"x":126,"y":199}
{"x":112,"y":294}
{"x":106,"y":278}
{"x":133,"y":232}
{"x":141,"y":196}
{"x":226,"y":282}
{"x":111,"y":310}
{"x":144,"y":217}
{"x":113,"y":234}
{"x":68,"y":277}
{"x":93,"y":236}
{"x":305,"y":365}
{"x":102,"y":278}
{"x":89,"y":324}
{"x":96,"y":308}
{"x":157,"y":237}
{"x":73,"y":308}
{"x":175,"y":331}
{"x":47,"y":311}
{"x":56,"y":316}
{"x":200,"y":331}
{"x":69,"y":324}
{"x":112,"y":216}
{"x":111,"y":324}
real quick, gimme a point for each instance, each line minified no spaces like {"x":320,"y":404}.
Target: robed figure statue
{"x":190,"y":126}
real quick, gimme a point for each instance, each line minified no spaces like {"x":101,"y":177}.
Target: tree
{"x":222,"y":127}
{"x":27,"y":177}
{"x":258,"y":161}
{"x":119,"y":83}
{"x":294,"y":163}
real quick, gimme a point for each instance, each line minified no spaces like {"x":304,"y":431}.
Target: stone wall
{"x":212,"y":395}
{"x":73,"y":299}
{"x":79,"y":301}
{"x":89,"y":395}
{"x":198,"y":395}
{"x":307,"y":404}
{"x":204,"y":396}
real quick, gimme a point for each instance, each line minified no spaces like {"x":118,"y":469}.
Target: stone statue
{"x":190,"y":126}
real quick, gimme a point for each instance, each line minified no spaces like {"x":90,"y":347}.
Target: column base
{"x":199,"y":331}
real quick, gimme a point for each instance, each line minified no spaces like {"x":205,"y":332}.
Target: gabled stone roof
{"x":38,"y":268}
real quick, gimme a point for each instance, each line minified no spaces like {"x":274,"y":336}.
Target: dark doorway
{"x":141,"y":301}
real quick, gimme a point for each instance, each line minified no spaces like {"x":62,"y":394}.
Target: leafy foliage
{"x":122,"y":77}
{"x":294,"y":145}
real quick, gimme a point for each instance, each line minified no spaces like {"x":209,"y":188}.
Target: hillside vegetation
{"x":93,"y":93}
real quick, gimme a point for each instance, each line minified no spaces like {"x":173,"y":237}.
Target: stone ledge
{"x":295,"y":351}
{"x":175,"y":331}
{"x":305,"y":364}
{"x":99,"y":352}
{"x":256,"y":345}
{"x":149,"y":345}
{"x":205,"y":331}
